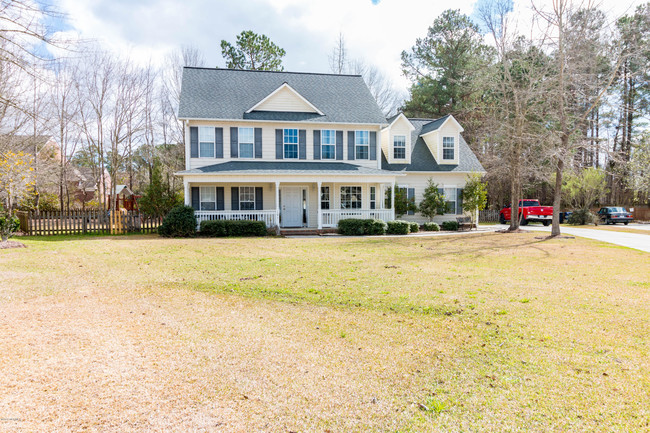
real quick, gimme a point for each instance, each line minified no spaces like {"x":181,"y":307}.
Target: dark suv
{"x":613,"y":215}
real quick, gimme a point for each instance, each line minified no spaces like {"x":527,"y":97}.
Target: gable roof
{"x":421,"y":158}
{"x":208,"y":93}
{"x":302,"y":101}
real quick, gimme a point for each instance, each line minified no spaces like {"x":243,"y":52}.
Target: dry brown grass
{"x":485,"y":332}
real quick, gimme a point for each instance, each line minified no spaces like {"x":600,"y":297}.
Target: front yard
{"x":482,"y":332}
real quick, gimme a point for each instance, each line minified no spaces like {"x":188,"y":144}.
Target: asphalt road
{"x":630,"y":240}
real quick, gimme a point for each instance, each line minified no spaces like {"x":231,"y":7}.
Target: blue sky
{"x":375,"y":30}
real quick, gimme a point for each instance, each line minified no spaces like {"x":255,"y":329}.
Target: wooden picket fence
{"x":89,"y":221}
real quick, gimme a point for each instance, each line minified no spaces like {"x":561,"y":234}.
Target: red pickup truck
{"x":530,"y":211}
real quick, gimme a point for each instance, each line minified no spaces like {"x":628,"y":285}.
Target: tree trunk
{"x":557,"y":197}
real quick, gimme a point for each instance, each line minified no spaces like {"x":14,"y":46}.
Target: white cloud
{"x":307,"y":30}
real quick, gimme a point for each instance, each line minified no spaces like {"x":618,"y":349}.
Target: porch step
{"x":306,"y":231}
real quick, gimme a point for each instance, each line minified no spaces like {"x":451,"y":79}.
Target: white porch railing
{"x":268,"y":216}
{"x":331,"y":218}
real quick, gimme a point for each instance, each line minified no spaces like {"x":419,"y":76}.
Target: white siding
{"x":449,"y":129}
{"x":401,"y":127}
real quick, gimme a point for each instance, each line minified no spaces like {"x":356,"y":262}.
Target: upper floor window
{"x":291,"y":143}
{"x":350,"y":197}
{"x":324,"y":197}
{"x":447,"y":147}
{"x":328,"y":144}
{"x":206,"y":142}
{"x":208,"y":198}
{"x":246,"y":142}
{"x":361,"y":145}
{"x":399,"y":147}
{"x":247,"y":197}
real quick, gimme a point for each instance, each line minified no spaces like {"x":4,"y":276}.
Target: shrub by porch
{"x":227,"y":228}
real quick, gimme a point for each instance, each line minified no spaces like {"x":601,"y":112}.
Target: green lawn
{"x":482,"y":332}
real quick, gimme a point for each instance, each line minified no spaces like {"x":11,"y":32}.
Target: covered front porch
{"x":289,"y":194}
{"x":289,"y":204}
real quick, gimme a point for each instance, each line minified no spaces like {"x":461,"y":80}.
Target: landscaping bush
{"x":397,"y":227}
{"x":431,"y":227}
{"x":414,"y":227}
{"x":360,"y":227}
{"x":375,"y":227}
{"x":451,"y":226}
{"x":352,"y":227}
{"x":223,"y":228}
{"x":178,"y":223}
{"x":582,"y":217}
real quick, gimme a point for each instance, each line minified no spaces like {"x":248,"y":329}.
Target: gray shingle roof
{"x":421,"y":158}
{"x":285,"y":167}
{"x":228,"y":94}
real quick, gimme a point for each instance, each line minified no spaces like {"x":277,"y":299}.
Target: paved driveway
{"x":630,"y":240}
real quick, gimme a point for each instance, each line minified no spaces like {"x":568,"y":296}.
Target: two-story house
{"x":306,"y":150}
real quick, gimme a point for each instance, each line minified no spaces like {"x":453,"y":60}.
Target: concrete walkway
{"x":630,"y":240}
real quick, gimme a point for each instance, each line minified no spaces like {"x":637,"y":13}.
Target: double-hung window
{"x":290,"y":144}
{"x":450,"y":200}
{"x":373,"y":197}
{"x":399,"y":147}
{"x":206,"y":142}
{"x":447,"y":147}
{"x":324,"y":197}
{"x":247,"y":197}
{"x":361,"y":144}
{"x":328,"y":144}
{"x":246,"y":142}
{"x":350,"y":197}
{"x":208,"y":198}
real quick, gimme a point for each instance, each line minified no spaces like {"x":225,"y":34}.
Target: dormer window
{"x":447,"y":147}
{"x":399,"y":147}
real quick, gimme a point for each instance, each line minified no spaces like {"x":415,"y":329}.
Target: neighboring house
{"x":44,"y":147}
{"x":84,"y":185}
{"x":306,"y":150}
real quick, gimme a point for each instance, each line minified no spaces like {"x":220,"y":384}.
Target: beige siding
{"x":449,"y":129}
{"x":400,"y":127}
{"x":285,"y":100}
{"x":419,"y":182}
{"x":268,"y":194}
{"x":268,"y":141}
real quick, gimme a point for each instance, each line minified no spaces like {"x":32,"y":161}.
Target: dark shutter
{"x":278,"y":144}
{"x":234,"y":198}
{"x":195,"y":198}
{"x":351,"y":145}
{"x":234,"y":142}
{"x":259,"y":198}
{"x":410,"y":195}
{"x":302,"y":144}
{"x":218,"y":142}
{"x":459,"y":201}
{"x":373,"y":145}
{"x":194,"y":142}
{"x":221,"y":205}
{"x":258,"y":142}
{"x":317,"y":144}
{"x":339,"y":145}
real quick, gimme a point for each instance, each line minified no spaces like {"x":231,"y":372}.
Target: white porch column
{"x":277,"y":203}
{"x":392,"y":200}
{"x":188,"y":192}
{"x":320,"y":213}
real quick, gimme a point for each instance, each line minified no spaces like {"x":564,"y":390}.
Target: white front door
{"x":291,"y":206}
